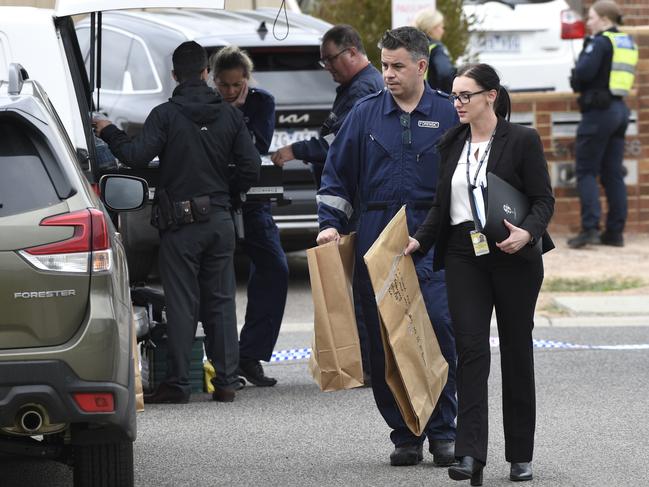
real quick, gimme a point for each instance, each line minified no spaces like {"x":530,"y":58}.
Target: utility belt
{"x":595,"y":100}
{"x":167,"y":214}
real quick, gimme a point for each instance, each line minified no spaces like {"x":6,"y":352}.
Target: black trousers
{"x":475,"y":286}
{"x":197,"y":271}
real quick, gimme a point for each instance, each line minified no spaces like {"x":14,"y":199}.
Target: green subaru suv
{"x":66,"y":361}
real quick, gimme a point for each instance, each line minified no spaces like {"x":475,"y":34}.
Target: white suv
{"x":532,"y":44}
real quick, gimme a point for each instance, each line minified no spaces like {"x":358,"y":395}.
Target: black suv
{"x":135,"y":77}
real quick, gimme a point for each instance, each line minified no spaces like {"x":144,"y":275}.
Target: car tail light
{"x":95,"y":402}
{"x":88,"y":245}
{"x":572,"y":25}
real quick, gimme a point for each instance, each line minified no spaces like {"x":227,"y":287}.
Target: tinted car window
{"x":285,"y":59}
{"x":315,"y":86}
{"x":19,"y":163}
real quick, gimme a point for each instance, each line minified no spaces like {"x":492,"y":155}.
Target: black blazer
{"x":516,"y":156}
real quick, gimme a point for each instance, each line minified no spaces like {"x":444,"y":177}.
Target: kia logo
{"x":293,"y":118}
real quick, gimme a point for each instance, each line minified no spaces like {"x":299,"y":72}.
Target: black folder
{"x":506,"y":202}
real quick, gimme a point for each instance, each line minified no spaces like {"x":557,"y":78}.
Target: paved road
{"x":592,"y":427}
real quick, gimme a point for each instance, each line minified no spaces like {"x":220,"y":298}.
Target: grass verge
{"x":576,"y":285}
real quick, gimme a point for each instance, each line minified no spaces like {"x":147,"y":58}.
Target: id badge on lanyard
{"x":478,"y":239}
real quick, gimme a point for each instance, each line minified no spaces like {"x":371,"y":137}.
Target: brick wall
{"x":549,"y":109}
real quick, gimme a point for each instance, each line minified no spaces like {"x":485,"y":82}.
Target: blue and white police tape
{"x":304,"y":353}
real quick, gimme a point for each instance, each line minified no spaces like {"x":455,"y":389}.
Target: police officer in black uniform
{"x":603,"y":76}
{"x":196,"y":135}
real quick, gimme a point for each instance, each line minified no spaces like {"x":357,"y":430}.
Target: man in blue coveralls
{"x":384,"y":155}
{"x":268,"y":280}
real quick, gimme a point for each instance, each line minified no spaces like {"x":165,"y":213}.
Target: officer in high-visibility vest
{"x":440,"y":72}
{"x":603,"y":76}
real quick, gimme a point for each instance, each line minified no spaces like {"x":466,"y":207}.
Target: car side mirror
{"x":123,"y":193}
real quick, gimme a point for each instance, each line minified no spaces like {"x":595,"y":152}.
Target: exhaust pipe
{"x":31,"y":420}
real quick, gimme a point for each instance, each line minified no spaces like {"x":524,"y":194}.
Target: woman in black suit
{"x":488,"y":274}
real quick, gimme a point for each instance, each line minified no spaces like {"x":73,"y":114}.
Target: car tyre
{"x":104,"y":465}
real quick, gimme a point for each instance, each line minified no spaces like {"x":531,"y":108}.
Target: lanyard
{"x":480,"y":163}
{"x":470,"y":187}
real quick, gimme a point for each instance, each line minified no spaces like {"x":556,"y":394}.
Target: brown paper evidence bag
{"x":335,"y":361}
{"x":415,"y":369}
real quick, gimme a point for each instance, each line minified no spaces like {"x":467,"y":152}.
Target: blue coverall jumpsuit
{"x":600,"y":140}
{"x":268,"y":279}
{"x":372,"y":160}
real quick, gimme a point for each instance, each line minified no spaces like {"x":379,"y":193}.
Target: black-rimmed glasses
{"x":406,"y":134}
{"x":327,"y":60}
{"x":464,"y":97}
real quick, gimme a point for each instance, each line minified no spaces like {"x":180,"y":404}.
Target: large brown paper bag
{"x":335,"y":362}
{"x":415,"y":369}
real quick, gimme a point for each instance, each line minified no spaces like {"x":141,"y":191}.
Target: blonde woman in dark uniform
{"x":483,"y":276}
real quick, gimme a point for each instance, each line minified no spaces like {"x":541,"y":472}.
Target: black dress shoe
{"x":223,"y":394}
{"x":443,"y":452}
{"x":520,"y":471}
{"x":166,"y":394}
{"x":254,"y":373}
{"x":468,"y":468}
{"x":407,"y":455}
{"x":612,"y":239}
{"x":584,"y":238}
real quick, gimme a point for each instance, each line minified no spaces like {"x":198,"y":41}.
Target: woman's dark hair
{"x":487,"y":78}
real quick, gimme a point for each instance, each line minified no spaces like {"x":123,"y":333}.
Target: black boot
{"x":166,"y":394}
{"x":223,"y":394}
{"x":469,"y":468}
{"x":584,"y":238}
{"x":612,"y":239}
{"x":443,"y":452}
{"x":254,"y":373}
{"x":520,"y":471}
{"x":407,"y":455}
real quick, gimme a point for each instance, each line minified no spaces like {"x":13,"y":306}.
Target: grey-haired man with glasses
{"x":385,"y":157}
{"x":343,"y":55}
